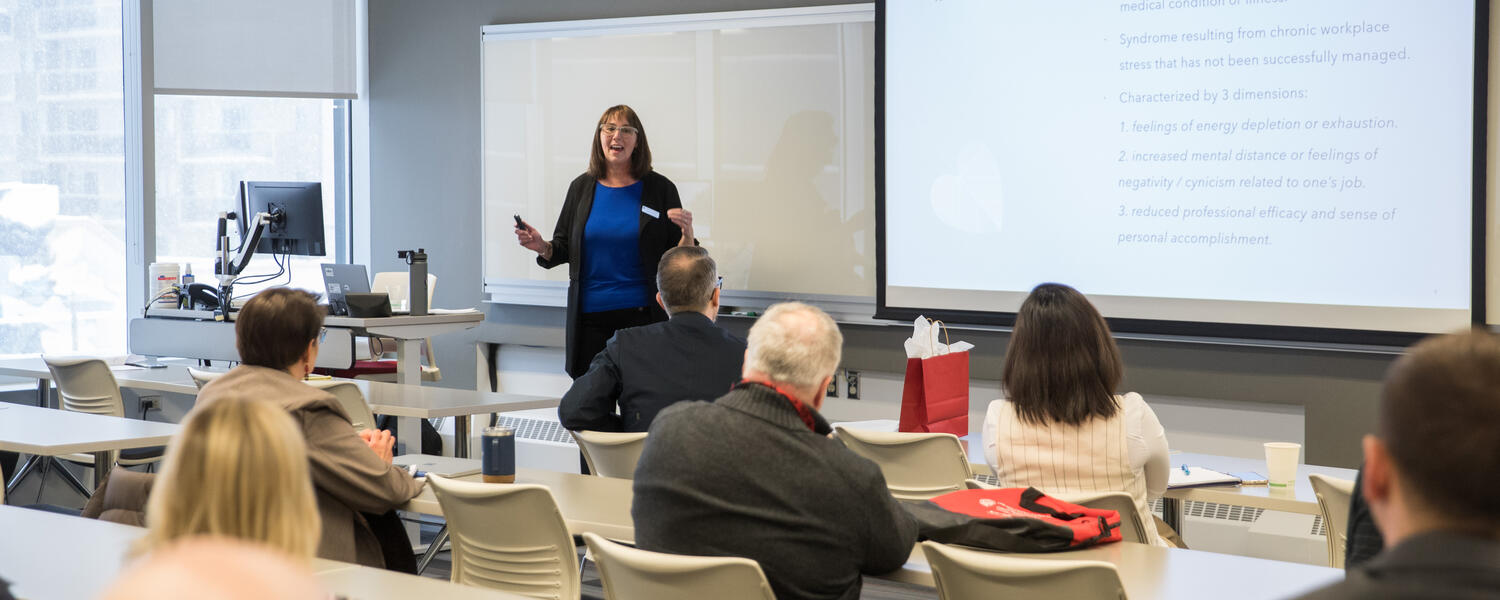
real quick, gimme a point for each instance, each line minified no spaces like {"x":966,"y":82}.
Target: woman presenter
{"x":616,"y":222}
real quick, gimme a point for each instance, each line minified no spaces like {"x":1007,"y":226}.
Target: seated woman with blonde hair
{"x":1061,"y":428}
{"x":237,"y":469}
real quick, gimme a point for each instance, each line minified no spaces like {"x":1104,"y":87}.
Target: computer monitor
{"x":296,"y":209}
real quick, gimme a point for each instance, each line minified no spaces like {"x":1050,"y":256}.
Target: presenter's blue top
{"x":612,"y":277}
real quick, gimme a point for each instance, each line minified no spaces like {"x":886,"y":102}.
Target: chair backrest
{"x":610,"y":453}
{"x":508,"y":537}
{"x":86,"y":385}
{"x":960,"y":574}
{"x":351,"y":399}
{"x":917,"y":466}
{"x":1131,"y":527}
{"x":201,"y":377}
{"x":1333,"y":499}
{"x":634,"y":574}
{"x":396,"y":283}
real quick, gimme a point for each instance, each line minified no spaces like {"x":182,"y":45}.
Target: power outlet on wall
{"x":833,"y":386}
{"x":851,"y":384}
{"x":150,"y":403}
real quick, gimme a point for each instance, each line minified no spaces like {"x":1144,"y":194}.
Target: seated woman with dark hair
{"x":357,"y":488}
{"x":1061,"y":428}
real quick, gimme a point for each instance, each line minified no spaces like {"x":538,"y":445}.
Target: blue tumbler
{"x":498,"y":455}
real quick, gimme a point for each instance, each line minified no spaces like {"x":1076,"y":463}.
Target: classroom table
{"x":601,"y":505}
{"x":426,"y":402}
{"x":1298,"y":499}
{"x":173,"y":379}
{"x":47,"y":555}
{"x":588,"y":503}
{"x":394,"y":399}
{"x":212,"y":340}
{"x":1172,"y":573}
{"x":48,"y":432}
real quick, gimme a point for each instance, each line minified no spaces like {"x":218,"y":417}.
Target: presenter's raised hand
{"x":532,"y":240}
{"x":683,"y":219}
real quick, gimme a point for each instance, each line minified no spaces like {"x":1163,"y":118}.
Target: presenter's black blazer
{"x":657,"y":235}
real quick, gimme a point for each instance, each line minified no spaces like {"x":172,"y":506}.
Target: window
{"x":62,"y":178}
{"x":206,"y":145}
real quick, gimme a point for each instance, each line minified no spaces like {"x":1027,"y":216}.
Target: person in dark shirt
{"x":1429,"y":476}
{"x":645,"y":369}
{"x":755,"y":474}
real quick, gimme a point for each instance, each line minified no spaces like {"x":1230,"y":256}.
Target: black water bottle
{"x":416,"y":267}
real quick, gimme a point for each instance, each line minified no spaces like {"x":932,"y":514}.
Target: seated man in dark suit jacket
{"x":1430,"y":475}
{"x":755,"y":474}
{"x":645,"y":369}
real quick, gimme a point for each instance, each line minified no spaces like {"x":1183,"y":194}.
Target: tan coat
{"x":348,"y":477}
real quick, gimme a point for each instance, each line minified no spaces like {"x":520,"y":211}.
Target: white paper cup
{"x":1281,"y":463}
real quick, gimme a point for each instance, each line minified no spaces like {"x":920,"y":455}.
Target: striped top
{"x":1126,"y":452}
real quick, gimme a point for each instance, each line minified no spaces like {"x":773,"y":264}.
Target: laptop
{"x":344,"y":279}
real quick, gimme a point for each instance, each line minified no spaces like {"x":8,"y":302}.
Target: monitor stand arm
{"x":229,"y":270}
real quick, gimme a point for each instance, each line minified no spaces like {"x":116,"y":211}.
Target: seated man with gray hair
{"x":755,"y":474}
{"x":645,"y":369}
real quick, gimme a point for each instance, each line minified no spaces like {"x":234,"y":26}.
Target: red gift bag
{"x":935,"y":398}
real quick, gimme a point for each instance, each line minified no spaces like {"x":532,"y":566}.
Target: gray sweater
{"x":744,"y":476}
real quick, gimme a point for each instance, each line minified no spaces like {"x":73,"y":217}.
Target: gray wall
{"x":424,"y":103}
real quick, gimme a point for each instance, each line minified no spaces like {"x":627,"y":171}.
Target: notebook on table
{"x":1186,"y":476}
{"x":446,"y":466}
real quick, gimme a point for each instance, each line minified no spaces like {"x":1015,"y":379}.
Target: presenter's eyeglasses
{"x":611,"y":129}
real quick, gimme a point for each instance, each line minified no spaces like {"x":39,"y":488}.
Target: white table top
{"x":407,"y":327}
{"x":1171,"y":573}
{"x":400,"y":320}
{"x":172,"y":379}
{"x":1298,"y":499}
{"x":429,"y":402}
{"x":602,"y":505}
{"x":47,"y":555}
{"x":51,"y":432}
{"x":395,"y":399}
{"x":588,"y":503}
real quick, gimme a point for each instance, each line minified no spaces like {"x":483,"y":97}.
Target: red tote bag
{"x":935,"y":398}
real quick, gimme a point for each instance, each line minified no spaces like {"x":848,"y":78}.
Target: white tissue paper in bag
{"x":923,"y":342}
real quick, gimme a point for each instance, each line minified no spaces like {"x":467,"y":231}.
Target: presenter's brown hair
{"x":1440,"y":422}
{"x":274,"y":328}
{"x":640,"y":158}
{"x":1062,"y":364}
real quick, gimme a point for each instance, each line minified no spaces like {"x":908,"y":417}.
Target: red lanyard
{"x":802,"y":410}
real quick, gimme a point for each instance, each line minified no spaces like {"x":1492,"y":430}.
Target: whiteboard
{"x":763,"y":119}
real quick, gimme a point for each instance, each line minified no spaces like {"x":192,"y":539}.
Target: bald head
{"x":686,"y":281}
{"x":796,"y":345}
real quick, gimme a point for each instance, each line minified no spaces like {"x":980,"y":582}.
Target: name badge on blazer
{"x":653,"y":213}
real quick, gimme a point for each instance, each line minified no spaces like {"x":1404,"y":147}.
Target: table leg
{"x":1171,"y":512}
{"x":461,"y":436}
{"x":102,"y":466}
{"x":432,"y":550}
{"x":43,"y":390}
{"x":32,"y":460}
{"x":409,"y":431}
{"x":409,"y":361}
